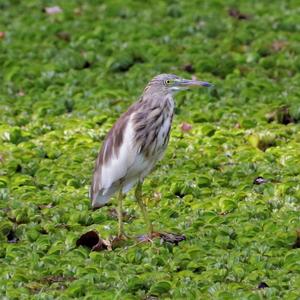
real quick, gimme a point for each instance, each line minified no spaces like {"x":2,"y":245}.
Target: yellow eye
{"x":168,"y":82}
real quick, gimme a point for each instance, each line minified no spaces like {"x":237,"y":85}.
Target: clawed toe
{"x":164,"y":236}
{"x":123,"y":237}
{"x":148,"y":237}
{"x":172,"y":237}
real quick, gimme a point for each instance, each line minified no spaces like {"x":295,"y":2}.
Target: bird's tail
{"x":102,"y":197}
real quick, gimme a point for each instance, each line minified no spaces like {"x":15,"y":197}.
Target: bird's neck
{"x":164,"y":101}
{"x":168,"y":104}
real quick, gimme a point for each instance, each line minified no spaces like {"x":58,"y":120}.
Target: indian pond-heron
{"x":136,"y":142}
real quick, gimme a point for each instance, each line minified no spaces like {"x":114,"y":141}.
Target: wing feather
{"x":115,"y":158}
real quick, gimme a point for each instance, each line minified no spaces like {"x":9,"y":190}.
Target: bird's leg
{"x":120,"y":215}
{"x":138,"y":196}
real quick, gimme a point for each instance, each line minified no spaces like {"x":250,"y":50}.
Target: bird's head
{"x":169,"y":83}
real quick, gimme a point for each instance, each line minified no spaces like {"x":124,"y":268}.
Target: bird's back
{"x":131,"y":148}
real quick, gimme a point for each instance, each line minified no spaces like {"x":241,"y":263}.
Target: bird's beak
{"x":185,"y":83}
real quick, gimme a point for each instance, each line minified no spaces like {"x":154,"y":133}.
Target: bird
{"x":135,"y":143}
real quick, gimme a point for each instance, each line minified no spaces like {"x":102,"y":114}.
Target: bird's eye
{"x":168,"y":82}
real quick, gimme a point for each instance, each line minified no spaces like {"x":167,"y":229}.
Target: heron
{"x":135,"y":143}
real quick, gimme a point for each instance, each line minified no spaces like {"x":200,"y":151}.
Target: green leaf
{"x":160,"y":288}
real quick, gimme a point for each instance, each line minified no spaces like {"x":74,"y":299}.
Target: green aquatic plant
{"x":230,"y":182}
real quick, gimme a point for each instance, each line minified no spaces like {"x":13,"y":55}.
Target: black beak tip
{"x":207,"y":84}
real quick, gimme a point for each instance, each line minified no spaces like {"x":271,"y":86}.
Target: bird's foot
{"x":123,"y":237}
{"x":121,"y":240}
{"x":164,"y":236}
{"x":148,"y":237}
{"x":172,"y":238}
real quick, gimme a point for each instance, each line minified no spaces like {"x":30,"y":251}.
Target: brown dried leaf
{"x":86,"y":65}
{"x":157,"y":195}
{"x":189,"y":68}
{"x":12,"y":238}
{"x":20,"y":94}
{"x":34,"y":287}
{"x":172,"y":238}
{"x":278,"y":45}
{"x":92,"y":240}
{"x":186,"y":127}
{"x":297,"y":242}
{"x":52,"y":10}
{"x":44,"y":206}
{"x":262,"y":285}
{"x":237,"y":14}
{"x":57,"y":278}
{"x":2,"y":35}
{"x":281,"y":115}
{"x":223,"y":213}
{"x":164,"y":236}
{"x":102,"y":245}
{"x":259,"y":180}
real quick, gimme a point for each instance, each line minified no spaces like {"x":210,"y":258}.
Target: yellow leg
{"x":138,"y":196}
{"x":120,"y":214}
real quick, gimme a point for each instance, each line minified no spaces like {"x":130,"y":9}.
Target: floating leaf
{"x":6,"y":228}
{"x":67,"y":76}
{"x":160,"y":288}
{"x":63,"y":35}
{"x":263,"y":140}
{"x":136,"y":283}
{"x":203,"y":181}
{"x":3,"y":182}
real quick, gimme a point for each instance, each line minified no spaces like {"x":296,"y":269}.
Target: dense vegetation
{"x":229,"y":182}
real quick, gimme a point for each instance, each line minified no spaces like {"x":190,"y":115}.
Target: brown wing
{"x":110,"y":146}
